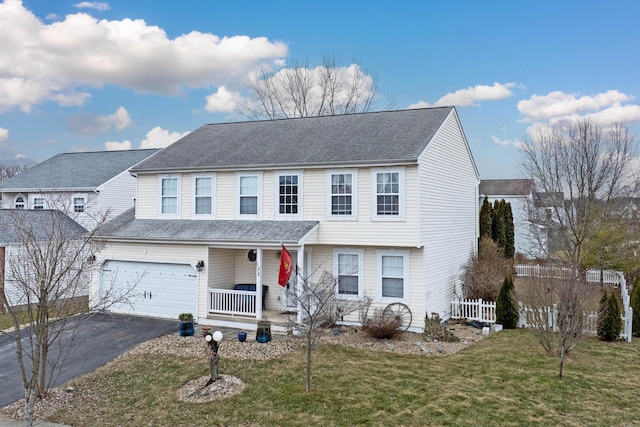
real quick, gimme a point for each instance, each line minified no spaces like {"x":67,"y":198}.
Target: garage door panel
{"x":161,"y":290}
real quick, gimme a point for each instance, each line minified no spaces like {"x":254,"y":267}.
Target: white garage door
{"x":160,"y":290}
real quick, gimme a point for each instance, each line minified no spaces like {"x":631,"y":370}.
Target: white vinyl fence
{"x":485,"y":311}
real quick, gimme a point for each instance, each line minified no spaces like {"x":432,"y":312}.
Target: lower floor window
{"x":392,"y":276}
{"x":348,"y":268}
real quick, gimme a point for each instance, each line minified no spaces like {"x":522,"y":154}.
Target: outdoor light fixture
{"x":200,"y":265}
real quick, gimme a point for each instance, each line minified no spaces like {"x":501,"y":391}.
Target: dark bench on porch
{"x":252,"y":288}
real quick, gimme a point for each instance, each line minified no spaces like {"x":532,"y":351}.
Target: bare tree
{"x":591,"y":167}
{"x":49,"y":262}
{"x":319,"y":307}
{"x":9,"y":170}
{"x":303,"y":91}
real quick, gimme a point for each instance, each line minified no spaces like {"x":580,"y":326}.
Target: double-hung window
{"x":78,"y":204}
{"x":203,"y":195}
{"x":388,"y":194}
{"x":289,"y":194}
{"x":348,"y":268}
{"x":342,"y":193}
{"x":393,"y":275}
{"x":169,"y":195}
{"x":38,"y":203}
{"x":248,"y":194}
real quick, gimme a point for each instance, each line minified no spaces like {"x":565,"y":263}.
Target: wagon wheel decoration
{"x":400,"y":311}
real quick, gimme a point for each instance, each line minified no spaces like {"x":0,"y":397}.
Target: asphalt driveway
{"x":98,"y":339}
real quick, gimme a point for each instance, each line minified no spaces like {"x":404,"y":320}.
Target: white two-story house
{"x":386,"y":202}
{"x":86,"y":186}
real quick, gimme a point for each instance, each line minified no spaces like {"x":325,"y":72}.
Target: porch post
{"x":259,"y":284}
{"x":300,"y":280}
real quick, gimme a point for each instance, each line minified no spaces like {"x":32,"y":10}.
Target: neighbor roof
{"x":390,"y":136}
{"x":126,"y":227}
{"x":505,"y":187}
{"x":14,"y":223}
{"x":75,"y":171}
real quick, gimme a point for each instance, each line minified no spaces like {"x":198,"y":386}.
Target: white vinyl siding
{"x":169,"y":195}
{"x":118,"y":194}
{"x":448,"y":183}
{"x":348,"y":268}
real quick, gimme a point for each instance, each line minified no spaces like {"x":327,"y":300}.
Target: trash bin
{"x":263,"y":333}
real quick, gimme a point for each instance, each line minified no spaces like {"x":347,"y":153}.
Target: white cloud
{"x":92,"y":5}
{"x":42,"y":62}
{"x":160,"y":138}
{"x":223,"y":101}
{"x":502,"y":142}
{"x":559,"y":104}
{"x":115,"y":145}
{"x":470,"y":96}
{"x":419,"y":104}
{"x":94,"y":123}
{"x":4,"y":134}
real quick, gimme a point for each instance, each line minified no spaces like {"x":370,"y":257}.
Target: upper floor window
{"x":169,"y":195}
{"x":389,"y":194}
{"x":78,"y":204}
{"x":19,"y":202}
{"x":38,"y":203}
{"x":203,"y":195}
{"x":348,"y":269}
{"x":288,"y":194}
{"x":393,"y":270}
{"x":248,"y":189}
{"x":342,"y":194}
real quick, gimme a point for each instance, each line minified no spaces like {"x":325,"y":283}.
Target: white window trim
{"x":179,"y":183}
{"x":348,"y":251}
{"x":258,"y":215}
{"x":354,"y":195}
{"x":277,"y":196}
{"x":84,"y":204}
{"x":401,"y":196}
{"x":33,"y":201}
{"x":24,"y":203}
{"x":195,"y":215}
{"x":406,"y":270}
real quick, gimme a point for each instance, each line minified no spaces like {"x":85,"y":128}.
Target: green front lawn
{"x":505,"y":380}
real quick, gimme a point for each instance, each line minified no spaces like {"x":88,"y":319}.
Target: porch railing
{"x":229,"y":301}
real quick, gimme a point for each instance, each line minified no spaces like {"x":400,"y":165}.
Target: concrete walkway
{"x":6,"y":421}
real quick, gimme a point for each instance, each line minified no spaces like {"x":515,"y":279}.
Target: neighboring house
{"x":20,"y":229}
{"x":386,"y":202}
{"x":84,"y":185}
{"x":520,"y":194}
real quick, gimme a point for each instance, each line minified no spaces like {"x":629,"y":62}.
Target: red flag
{"x":285,"y":267}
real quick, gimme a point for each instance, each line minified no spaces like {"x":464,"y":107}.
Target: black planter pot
{"x":186,"y":329}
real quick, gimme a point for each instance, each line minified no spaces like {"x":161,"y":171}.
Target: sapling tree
{"x":319,"y":306}
{"x":507,"y":312}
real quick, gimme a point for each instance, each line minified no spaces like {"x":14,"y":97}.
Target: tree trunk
{"x":308,"y":387}
{"x":29,"y":404}
{"x":562,"y":353}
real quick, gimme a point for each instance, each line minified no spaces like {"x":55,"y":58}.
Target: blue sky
{"x":87,"y":76}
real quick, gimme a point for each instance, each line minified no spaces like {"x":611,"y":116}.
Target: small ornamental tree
{"x":485,"y":219}
{"x":635,"y":305}
{"x":507,"y":313}
{"x":509,"y":231}
{"x":609,"y":321}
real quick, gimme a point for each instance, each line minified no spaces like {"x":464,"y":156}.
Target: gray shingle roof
{"x":505,"y":187}
{"x":70,"y":171}
{"x":39,"y":222}
{"x":126,"y":227}
{"x":351,"y":138}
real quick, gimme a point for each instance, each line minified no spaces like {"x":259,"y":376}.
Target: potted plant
{"x":186,"y":324}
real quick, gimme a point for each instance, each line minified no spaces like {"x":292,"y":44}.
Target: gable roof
{"x":38,"y":222}
{"x":126,"y":227}
{"x":505,"y":187}
{"x":380,"y":137}
{"x":75,"y":171}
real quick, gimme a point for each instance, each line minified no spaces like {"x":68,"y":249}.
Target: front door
{"x":291,"y":302}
